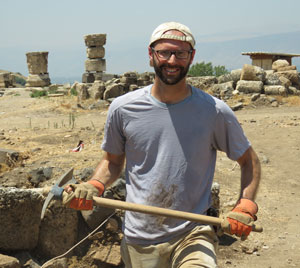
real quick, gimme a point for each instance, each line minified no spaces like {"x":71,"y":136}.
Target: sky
{"x":59,"y":27}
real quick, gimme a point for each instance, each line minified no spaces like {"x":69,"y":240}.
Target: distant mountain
{"x":228,"y":53}
{"x":67,"y":65}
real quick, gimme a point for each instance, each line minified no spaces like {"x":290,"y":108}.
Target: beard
{"x":170,"y":80}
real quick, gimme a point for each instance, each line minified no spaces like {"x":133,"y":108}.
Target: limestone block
{"x":272,"y":79}
{"x":95,"y":52}
{"x":20,"y":217}
{"x":224,"y":78}
{"x":249,"y":86}
{"x":95,"y":40}
{"x":4,"y":77}
{"x":96,"y":90}
{"x":5,"y":80}
{"x":9,"y":262}
{"x":128,"y":80}
{"x":202,"y":82}
{"x":113,"y":91}
{"x":285,"y":82}
{"x":95,"y":65}
{"x":82,"y":90}
{"x":287,"y":68}
{"x":279,"y":64}
{"x":275,"y":90}
{"x":236,"y":75}
{"x":88,"y":78}
{"x":293,"y":91}
{"x":291,"y":75}
{"x":226,"y":87}
{"x":37,"y":62}
{"x":252,"y":73}
{"x":58,"y":230}
{"x":38,"y":80}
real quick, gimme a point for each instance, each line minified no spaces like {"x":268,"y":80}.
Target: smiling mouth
{"x":171,"y":70}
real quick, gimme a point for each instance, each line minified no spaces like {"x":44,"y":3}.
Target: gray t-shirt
{"x":170,"y":156}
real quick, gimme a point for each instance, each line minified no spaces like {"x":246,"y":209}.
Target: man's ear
{"x":150,"y":53}
{"x":192,"y":56}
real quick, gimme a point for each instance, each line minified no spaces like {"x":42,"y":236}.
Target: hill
{"x":228,"y":53}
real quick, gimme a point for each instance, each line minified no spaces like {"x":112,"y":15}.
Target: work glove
{"x":241,"y":218}
{"x":81,"y":198}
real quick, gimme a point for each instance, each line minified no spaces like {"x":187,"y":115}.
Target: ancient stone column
{"x":37,"y":63}
{"x":95,"y":65}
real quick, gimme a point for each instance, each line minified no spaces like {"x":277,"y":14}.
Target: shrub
{"x":206,"y":69}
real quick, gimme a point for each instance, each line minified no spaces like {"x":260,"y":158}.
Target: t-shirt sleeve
{"x":114,"y":140}
{"x":229,"y":136}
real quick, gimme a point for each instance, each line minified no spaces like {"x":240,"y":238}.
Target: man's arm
{"x":250,"y":174}
{"x":109,"y":168}
{"x":244,"y":213}
{"x":80,"y":196}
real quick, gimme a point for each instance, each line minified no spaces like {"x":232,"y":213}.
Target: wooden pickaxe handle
{"x":117,"y":204}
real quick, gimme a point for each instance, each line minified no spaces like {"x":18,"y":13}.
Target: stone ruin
{"x":95,"y":65}
{"x":37,"y":63}
{"x":6,"y":80}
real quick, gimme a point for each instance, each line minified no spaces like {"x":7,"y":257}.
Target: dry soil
{"x":44,"y":130}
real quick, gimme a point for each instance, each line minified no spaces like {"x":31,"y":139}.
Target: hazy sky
{"x":58,"y":26}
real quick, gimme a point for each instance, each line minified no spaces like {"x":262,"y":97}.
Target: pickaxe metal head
{"x":57,"y":190}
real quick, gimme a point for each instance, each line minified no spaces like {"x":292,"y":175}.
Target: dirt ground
{"x":45,"y":130}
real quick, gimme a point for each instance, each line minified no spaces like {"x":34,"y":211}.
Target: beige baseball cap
{"x":160,"y":33}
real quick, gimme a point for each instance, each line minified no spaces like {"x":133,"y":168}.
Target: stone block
{"x":249,"y":86}
{"x":95,"y":65}
{"x":38,"y":80}
{"x":252,"y":73}
{"x":95,"y":52}
{"x":95,"y":40}
{"x":96,"y":90}
{"x":292,"y":75}
{"x":113,"y":91}
{"x":88,"y":78}
{"x":37,"y":62}
{"x":9,"y":262}
{"x":275,"y":90}
{"x":58,"y":230}
{"x":20,"y":217}
{"x":279,"y":64}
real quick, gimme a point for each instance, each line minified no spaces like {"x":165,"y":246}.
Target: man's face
{"x":172,"y":70}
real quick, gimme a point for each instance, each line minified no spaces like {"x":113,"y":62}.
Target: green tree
{"x":206,"y":69}
{"x":220,"y":70}
{"x":201,"y":69}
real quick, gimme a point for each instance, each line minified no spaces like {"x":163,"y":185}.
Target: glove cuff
{"x":246,"y":206}
{"x":99,"y":185}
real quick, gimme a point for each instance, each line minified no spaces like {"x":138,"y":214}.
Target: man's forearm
{"x":109,"y":168}
{"x":250,"y":175}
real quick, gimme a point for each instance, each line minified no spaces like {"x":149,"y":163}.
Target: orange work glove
{"x":81,"y":198}
{"x":242,"y":217}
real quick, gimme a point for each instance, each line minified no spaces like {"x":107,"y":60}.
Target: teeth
{"x":171,"y":70}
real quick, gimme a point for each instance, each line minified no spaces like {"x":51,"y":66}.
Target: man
{"x":169,"y":133}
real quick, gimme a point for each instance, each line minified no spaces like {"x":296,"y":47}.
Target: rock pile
{"x":95,"y":65}
{"x":37,"y":63}
{"x":283,"y":80}
{"x":119,"y":85}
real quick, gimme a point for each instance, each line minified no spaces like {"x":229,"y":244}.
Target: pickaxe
{"x":57,"y":191}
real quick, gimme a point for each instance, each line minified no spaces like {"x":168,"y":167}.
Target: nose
{"x":172,"y":58}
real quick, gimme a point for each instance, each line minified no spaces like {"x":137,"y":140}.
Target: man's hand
{"x":80,"y":196}
{"x":242,"y":217}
